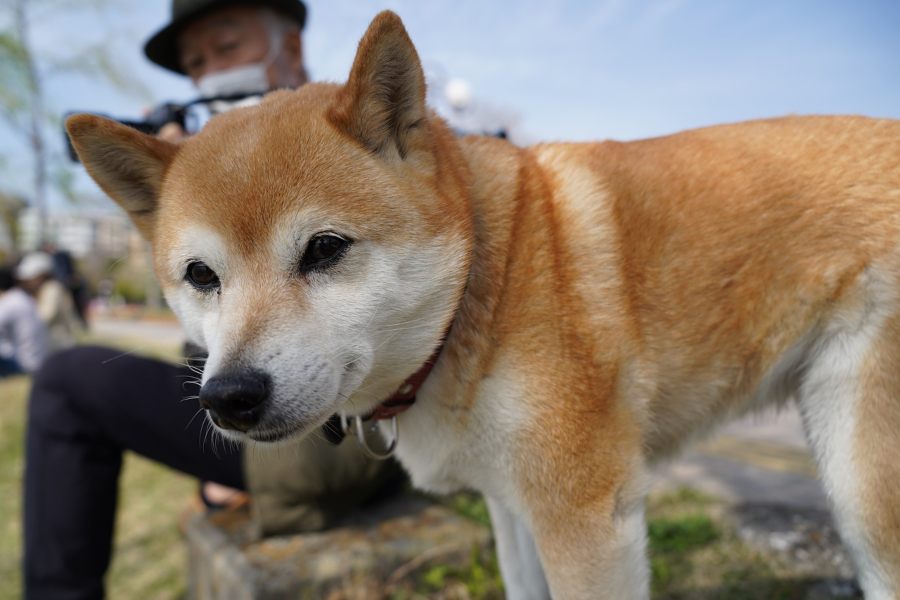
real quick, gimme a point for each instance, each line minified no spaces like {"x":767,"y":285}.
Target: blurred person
{"x":90,"y":404}
{"x":66,"y":272}
{"x":55,"y":305}
{"x":24,"y":340}
{"x":232,"y":48}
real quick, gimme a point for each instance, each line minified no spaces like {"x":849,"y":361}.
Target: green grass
{"x":471,"y":506}
{"x":150,"y":558}
{"x":672,"y":540}
{"x":12,"y":403}
{"x":480,"y":578}
{"x":677,"y":536}
{"x":693,"y":551}
{"x":696,"y":555}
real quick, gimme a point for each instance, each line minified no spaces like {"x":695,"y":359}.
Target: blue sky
{"x":567,"y":69}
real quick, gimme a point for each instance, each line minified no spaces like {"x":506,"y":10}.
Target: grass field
{"x":150,"y":558}
{"x":694,"y":553}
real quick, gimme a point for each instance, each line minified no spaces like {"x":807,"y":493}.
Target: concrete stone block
{"x":362,"y":558}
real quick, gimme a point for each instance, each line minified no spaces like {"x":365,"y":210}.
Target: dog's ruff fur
{"x":609,"y":301}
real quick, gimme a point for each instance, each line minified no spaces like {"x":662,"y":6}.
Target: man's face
{"x":235,"y":36}
{"x":34,"y":284}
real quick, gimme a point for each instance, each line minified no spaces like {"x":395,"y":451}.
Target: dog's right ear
{"x":382,"y":105}
{"x":127,"y":164}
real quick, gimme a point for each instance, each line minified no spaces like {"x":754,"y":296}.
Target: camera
{"x":173,"y":112}
{"x":168,"y":112}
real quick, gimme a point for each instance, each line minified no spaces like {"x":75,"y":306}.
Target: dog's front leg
{"x":520,"y":566}
{"x":594,"y":552}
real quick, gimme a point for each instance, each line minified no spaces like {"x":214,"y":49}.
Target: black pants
{"x":87,"y":406}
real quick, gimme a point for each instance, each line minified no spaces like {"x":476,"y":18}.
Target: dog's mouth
{"x":274,"y":436}
{"x":266,"y":435}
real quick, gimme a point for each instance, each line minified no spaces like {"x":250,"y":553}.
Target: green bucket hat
{"x":162,"y":48}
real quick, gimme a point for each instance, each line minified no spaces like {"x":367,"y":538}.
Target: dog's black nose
{"x":235,"y":400}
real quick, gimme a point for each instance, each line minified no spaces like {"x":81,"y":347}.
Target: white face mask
{"x":251,"y":80}
{"x":245,"y":79}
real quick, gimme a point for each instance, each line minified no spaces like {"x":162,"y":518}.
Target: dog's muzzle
{"x":236,"y":400}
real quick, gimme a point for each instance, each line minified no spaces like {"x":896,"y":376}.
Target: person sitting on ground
{"x":24,"y":341}
{"x":66,"y":272}
{"x":54,"y":301}
{"x":90,"y":404}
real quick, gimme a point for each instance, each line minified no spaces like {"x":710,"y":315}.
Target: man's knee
{"x":63,"y":390}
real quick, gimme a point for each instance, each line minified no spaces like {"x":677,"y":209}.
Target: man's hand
{"x":172,"y":132}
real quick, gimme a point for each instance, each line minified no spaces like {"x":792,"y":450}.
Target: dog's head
{"x":317,"y":244}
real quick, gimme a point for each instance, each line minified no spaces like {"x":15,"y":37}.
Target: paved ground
{"x":759,"y":459}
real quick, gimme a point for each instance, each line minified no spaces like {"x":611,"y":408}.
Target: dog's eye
{"x":323,"y":251}
{"x":201,"y":276}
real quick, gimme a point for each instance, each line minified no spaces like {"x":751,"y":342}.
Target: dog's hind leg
{"x":520,"y":566}
{"x":850,"y":402}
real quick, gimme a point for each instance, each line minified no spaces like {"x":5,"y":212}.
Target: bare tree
{"x":34,"y":104}
{"x":23,"y":74}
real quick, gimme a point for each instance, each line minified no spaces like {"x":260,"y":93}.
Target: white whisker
{"x":126,"y":353}
{"x":199,"y":410}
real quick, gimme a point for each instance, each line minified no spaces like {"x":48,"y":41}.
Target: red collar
{"x":403,"y":398}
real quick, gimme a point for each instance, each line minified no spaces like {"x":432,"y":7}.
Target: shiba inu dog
{"x":566,"y":315}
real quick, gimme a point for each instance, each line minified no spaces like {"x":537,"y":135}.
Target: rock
{"x":804,"y":539}
{"x":363,"y":558}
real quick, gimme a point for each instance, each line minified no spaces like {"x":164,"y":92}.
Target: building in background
{"x":109,"y":250}
{"x":84,"y":234}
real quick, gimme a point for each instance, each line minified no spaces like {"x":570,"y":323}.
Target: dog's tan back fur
{"x":609,"y":301}
{"x":684,"y":268}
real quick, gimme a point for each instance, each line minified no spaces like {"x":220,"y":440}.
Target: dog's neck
{"x":494,"y":207}
{"x":405,"y":396}
{"x":466,"y":352}
{"x":452,"y":399}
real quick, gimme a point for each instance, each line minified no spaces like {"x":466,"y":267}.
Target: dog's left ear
{"x":383,"y":103}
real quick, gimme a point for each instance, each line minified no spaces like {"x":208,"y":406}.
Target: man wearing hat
{"x":89,"y":404}
{"x":232,"y":48}
{"x":23,"y":336}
